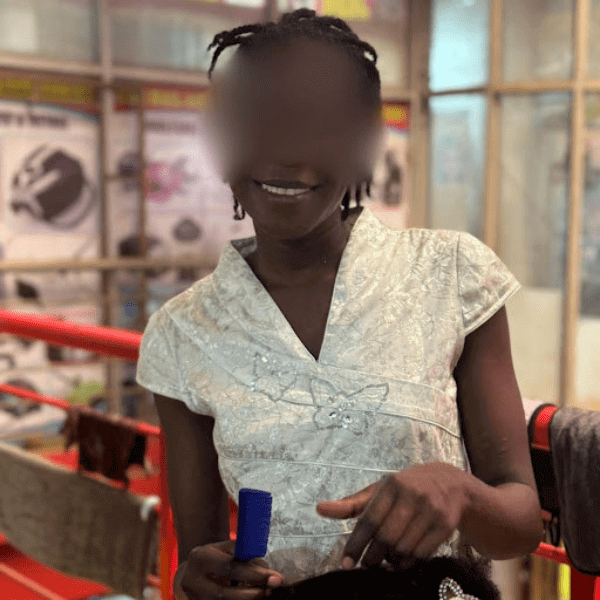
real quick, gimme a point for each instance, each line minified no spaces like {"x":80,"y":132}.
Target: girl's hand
{"x":210,"y":570}
{"x":410,"y":512}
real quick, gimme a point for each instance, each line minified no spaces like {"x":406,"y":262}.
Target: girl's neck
{"x":286,"y":263}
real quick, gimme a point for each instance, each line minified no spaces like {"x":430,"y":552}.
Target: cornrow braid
{"x":233,"y":37}
{"x":304,"y":23}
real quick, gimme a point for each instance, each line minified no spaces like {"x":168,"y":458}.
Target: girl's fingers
{"x":430,"y":543}
{"x":396,"y":523}
{"x":375,"y":554}
{"x":259,"y":562}
{"x":244,"y":573}
{"x":371,"y":519}
{"x":363,"y":532}
{"x":413,"y":534}
{"x":275,"y":581}
{"x":215,"y":591}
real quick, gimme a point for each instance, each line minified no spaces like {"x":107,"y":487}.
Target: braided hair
{"x":304,"y":23}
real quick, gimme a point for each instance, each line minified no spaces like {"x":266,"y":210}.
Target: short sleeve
{"x":157,"y":368}
{"x":484,"y":281}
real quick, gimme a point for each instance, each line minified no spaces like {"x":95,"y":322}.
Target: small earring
{"x":236,"y":214}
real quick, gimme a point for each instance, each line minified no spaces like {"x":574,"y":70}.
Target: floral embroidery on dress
{"x":336,"y":409}
{"x":270,"y":379}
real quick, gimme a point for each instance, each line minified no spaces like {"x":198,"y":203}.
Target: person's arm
{"x":198,"y":497}
{"x":504,"y":519}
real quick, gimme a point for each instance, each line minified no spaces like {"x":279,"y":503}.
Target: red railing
{"x":125,"y":344}
{"x":110,"y":342}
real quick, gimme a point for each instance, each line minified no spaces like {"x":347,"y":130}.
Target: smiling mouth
{"x":285,"y":188}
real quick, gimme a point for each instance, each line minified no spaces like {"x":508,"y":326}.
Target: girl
{"x":361,"y":375}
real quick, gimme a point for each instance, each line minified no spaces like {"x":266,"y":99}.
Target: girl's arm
{"x":504,"y":516}
{"x":198,"y":497}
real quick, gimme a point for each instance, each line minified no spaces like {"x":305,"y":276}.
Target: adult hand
{"x":410,"y":512}
{"x":210,"y":570}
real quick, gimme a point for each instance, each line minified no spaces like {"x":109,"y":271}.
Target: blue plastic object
{"x":254,"y":520}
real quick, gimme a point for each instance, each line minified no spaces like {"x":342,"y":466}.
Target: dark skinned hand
{"x":408,"y":513}
{"x":211,"y":569}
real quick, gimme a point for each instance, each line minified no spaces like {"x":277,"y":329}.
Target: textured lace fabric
{"x":380,"y":398}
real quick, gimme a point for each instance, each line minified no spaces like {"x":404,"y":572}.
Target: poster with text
{"x":49,"y":199}
{"x":49,"y":169}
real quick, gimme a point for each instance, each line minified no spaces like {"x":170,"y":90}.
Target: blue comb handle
{"x":254,"y":520}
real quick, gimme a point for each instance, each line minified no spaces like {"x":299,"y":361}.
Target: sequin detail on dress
{"x":336,"y":409}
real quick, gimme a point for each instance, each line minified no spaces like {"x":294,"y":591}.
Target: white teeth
{"x":283,"y":191}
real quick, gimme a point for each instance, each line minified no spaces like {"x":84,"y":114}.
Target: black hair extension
{"x":416,"y":580}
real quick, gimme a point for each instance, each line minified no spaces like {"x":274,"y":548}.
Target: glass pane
{"x":459,"y":44}
{"x":457,"y":162}
{"x":62,"y":29}
{"x":381,"y":23}
{"x":390,"y":194}
{"x":534,"y":158}
{"x":594,"y":55}
{"x":588,"y":346}
{"x":538,"y":39}
{"x":155,"y":35}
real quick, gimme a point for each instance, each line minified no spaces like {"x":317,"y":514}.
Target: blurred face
{"x":295,"y":136}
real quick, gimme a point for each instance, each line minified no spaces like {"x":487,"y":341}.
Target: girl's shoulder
{"x":374,"y":227}
{"x":424,"y":244}
{"x":183,"y":308}
{"x":422,"y":235}
{"x":432,"y":243}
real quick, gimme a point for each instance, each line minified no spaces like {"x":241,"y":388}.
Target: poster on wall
{"x":49,"y":169}
{"x":168,"y":234}
{"x":19,"y":417}
{"x":84,"y":314}
{"x":49,"y":188}
{"x":17,"y":353}
{"x":189,"y":210}
{"x":45,"y":289}
{"x":389,"y":190}
{"x":77,"y":383}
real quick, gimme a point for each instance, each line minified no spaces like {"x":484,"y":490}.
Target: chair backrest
{"x":575,"y":449}
{"x":565,"y":453}
{"x":77,"y":525}
{"x":538,"y":414}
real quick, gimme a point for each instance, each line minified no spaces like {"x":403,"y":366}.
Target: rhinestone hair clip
{"x":449,"y":589}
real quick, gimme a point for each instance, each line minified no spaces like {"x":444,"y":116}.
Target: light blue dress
{"x":380,"y":398}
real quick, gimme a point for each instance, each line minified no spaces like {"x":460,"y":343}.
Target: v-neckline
{"x":280,"y":320}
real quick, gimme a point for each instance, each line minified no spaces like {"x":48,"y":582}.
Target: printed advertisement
{"x":49,"y":187}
